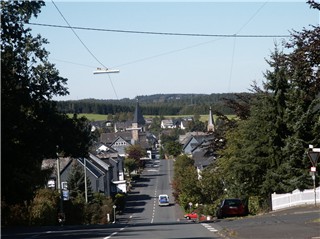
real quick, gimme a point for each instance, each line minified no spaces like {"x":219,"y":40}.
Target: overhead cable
{"x":161,"y":33}
{"x":72,"y":28}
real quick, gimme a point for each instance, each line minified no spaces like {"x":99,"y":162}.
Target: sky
{"x":227,"y":54}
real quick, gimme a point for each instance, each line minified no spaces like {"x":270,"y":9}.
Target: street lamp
{"x":61,"y":216}
{"x":114,"y":213}
{"x":105,"y":71}
{"x":313,"y":155}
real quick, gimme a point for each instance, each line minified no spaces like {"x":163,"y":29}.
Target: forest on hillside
{"x":158,"y":104}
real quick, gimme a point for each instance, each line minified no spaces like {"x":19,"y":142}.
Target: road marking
{"x":209,"y":227}
{"x":115,"y":233}
{"x":153,"y":170}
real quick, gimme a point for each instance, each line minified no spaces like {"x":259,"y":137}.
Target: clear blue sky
{"x":153,"y":64}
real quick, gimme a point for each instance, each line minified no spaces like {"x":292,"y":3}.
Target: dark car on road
{"x":231,"y":207}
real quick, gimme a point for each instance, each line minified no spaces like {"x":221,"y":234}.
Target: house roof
{"x":98,"y":162}
{"x":109,"y":138}
{"x":199,"y":139}
{"x":52,"y":164}
{"x":184,"y":138}
{"x":201,"y":159}
{"x":96,"y":171}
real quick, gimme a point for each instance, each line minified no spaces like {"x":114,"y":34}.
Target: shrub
{"x":74,"y":211}
{"x":14,"y":215}
{"x":97,"y":211}
{"x":43,"y":208}
{"x":120,"y":201}
{"x":257,"y":205}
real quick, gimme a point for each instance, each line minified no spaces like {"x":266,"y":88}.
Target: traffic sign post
{"x":313,"y":155}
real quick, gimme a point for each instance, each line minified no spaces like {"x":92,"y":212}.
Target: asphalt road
{"x":293,"y":223}
{"x":143,"y":218}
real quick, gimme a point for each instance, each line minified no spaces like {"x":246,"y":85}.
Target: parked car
{"x":194,"y":216}
{"x":231,"y":207}
{"x":163,"y":200}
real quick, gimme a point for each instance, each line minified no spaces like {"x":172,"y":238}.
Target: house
{"x":132,"y":132}
{"x":105,"y":177}
{"x":183,"y":124}
{"x":202,"y":156}
{"x":192,"y":142}
{"x":185,"y":137}
{"x":120,"y":145}
{"x":167,"y":124}
{"x":95,"y":125}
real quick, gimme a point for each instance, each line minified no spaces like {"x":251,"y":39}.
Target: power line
{"x":234,"y":42}
{"x":160,"y":33}
{"x":72,"y":28}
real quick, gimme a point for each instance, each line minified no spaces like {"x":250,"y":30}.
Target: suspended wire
{"x":234,"y":42}
{"x":73,"y":63}
{"x":250,"y":19}
{"x":72,"y":28}
{"x":145,"y":58}
{"x":161,"y":33}
{"x":167,"y":53}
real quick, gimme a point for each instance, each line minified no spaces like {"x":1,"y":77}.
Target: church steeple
{"x":138,"y":117}
{"x":210,"y":126}
{"x":137,"y":124}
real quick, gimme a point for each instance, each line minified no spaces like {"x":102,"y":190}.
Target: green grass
{"x":92,"y":117}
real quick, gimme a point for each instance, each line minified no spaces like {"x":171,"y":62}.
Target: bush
{"x":97,"y":211}
{"x":74,"y":212}
{"x":92,"y":213}
{"x":14,"y":215}
{"x":120,"y":201}
{"x":43,"y":208}
{"x":257,"y":205}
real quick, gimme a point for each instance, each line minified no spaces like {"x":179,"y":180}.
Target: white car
{"x":164,"y":200}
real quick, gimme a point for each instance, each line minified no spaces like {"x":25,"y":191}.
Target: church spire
{"x":138,"y":117}
{"x":210,"y":126}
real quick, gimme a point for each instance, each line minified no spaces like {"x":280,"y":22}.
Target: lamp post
{"x":313,"y":155}
{"x":85,"y":180}
{"x":61,"y":216}
{"x":114,"y":213}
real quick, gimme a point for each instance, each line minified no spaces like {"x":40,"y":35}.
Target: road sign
{"x":313,"y":156}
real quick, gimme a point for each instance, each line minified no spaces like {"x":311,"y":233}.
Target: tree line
{"x":160,"y":104}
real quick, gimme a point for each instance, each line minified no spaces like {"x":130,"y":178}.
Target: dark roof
{"x":108,"y":138}
{"x":91,"y":167}
{"x":138,"y":117}
{"x":201,"y":159}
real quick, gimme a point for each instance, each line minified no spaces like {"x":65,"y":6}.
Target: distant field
{"x":98,"y":117}
{"x":92,"y":117}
